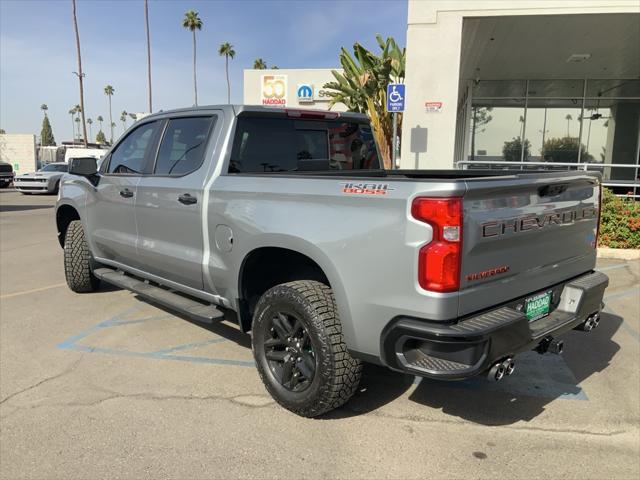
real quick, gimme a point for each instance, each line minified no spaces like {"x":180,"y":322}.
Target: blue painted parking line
{"x":531,"y":379}
{"x":189,"y":346}
{"x":73,"y":343}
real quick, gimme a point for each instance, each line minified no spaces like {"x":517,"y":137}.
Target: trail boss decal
{"x":366,"y":188}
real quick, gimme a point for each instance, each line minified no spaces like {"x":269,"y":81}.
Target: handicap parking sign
{"x":395,"y":97}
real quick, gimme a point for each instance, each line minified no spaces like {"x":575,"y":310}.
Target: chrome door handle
{"x":126,"y":193}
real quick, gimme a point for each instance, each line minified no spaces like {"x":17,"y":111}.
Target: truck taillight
{"x":439,"y":260}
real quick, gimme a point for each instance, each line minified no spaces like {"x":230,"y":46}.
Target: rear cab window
{"x":280,"y":144}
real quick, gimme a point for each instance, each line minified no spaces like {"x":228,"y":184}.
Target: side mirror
{"x":83,"y":166}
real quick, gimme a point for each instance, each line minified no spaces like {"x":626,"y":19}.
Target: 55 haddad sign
{"x":274,"y":90}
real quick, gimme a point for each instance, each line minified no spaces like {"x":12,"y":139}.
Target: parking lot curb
{"x":619,"y":253}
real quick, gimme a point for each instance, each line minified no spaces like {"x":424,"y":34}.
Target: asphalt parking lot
{"x":104,"y":385}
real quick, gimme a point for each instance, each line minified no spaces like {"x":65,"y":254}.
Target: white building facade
{"x":290,"y":88}
{"x":19,"y":150}
{"x":523,"y":80}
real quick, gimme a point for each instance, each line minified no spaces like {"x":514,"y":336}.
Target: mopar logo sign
{"x":305,"y":93}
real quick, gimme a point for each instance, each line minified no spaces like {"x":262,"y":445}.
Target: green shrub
{"x":619,"y":222}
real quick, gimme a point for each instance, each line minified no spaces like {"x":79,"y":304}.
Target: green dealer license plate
{"x":538,"y":306}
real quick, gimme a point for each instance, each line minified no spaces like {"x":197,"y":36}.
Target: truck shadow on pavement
{"x":21,"y":208}
{"x":537,"y":381}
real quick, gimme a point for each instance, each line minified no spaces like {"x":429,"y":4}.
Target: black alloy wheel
{"x":289,"y":352}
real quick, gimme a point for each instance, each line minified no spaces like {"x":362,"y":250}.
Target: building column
{"x":432,"y":75}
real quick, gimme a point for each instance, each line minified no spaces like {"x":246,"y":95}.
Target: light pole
{"x":80,"y":76}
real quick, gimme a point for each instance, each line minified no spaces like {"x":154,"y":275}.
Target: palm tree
{"x":146,"y":22}
{"x":192,"y":22}
{"x":79,"y":72}
{"x":226,"y":50}
{"x":44,"y":108}
{"x":123,"y":118}
{"x":76,"y":110}
{"x":568,"y":118}
{"x":72,"y":112}
{"x":259,"y":64}
{"x":109,"y":91}
{"x":89,"y":122}
{"x":100,"y":120}
{"x":113,"y":125}
{"x":362,"y":84}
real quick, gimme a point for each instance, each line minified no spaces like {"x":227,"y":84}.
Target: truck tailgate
{"x":524,"y":233}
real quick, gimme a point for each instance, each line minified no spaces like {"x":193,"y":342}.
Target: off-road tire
{"x":78,"y":262}
{"x":337,"y":373}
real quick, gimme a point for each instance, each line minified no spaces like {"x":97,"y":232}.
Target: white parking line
{"x":35,"y":290}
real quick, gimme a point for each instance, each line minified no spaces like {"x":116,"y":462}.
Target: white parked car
{"x":45,"y":180}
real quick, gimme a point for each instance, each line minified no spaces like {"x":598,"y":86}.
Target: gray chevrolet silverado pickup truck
{"x":284,"y":221}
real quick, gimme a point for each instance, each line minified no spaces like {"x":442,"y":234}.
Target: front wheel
{"x":78,"y":261}
{"x":300,"y":351}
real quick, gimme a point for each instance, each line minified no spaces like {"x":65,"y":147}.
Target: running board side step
{"x":201,"y":312}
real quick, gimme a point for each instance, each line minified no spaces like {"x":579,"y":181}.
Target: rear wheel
{"x":78,"y":261}
{"x":300,"y":351}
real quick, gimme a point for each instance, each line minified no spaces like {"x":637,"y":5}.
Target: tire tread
{"x":343,"y":371}
{"x":77,"y":260}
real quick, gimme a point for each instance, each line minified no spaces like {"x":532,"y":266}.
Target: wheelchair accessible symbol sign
{"x":395,"y":97}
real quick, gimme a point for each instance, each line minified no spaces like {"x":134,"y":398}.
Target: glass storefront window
{"x":553,"y":133}
{"x":597,"y":128}
{"x":558,"y":122}
{"x":497,"y":130}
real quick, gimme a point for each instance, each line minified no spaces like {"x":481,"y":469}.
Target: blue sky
{"x":38,"y":56}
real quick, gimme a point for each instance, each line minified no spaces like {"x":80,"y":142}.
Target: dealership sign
{"x":304,"y":92}
{"x":274,"y":90}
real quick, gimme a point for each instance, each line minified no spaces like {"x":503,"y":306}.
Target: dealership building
{"x":490,"y":82}
{"x":562,"y":75}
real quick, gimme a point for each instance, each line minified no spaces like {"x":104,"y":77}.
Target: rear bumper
{"x":470,"y":346}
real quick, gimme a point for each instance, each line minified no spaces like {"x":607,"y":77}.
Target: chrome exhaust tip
{"x":496,"y":372}
{"x":591,"y":322}
{"x":509,"y":366}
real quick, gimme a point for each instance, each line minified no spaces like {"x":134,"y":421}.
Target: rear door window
{"x":269,"y":144}
{"x":183,"y":145}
